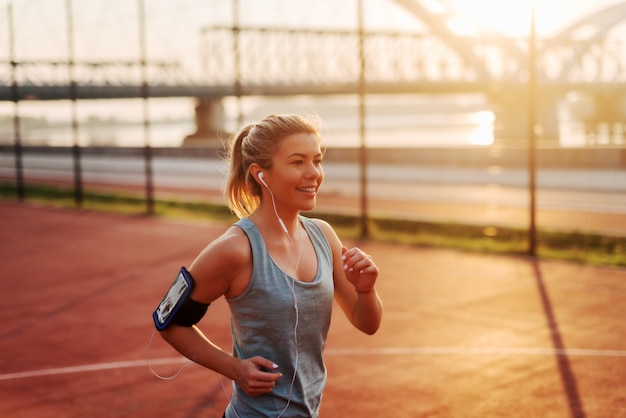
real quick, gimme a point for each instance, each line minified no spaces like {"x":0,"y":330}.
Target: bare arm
{"x":355,"y":275}
{"x":222,"y":269}
{"x":194,"y":345}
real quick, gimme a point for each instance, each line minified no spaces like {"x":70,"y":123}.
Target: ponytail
{"x":240,"y":201}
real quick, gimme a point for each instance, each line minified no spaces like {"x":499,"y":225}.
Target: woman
{"x":279,"y":272}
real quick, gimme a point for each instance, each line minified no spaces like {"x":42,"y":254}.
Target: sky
{"x":512,"y":16}
{"x":109,"y":29}
{"x":111,"y":16}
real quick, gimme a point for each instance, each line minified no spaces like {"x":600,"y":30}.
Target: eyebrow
{"x":301,"y":155}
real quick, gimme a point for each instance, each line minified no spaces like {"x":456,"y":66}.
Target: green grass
{"x":574,"y":246}
{"x":570,"y":246}
{"x":63,"y":197}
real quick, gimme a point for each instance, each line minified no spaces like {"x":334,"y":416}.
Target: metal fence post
{"x":145,"y":94}
{"x":364,"y":230}
{"x":237,"y":63}
{"x":19,"y":169}
{"x":76,"y":150}
{"x":532,"y":228}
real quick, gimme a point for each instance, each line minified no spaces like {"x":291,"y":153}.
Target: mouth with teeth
{"x":307,"y":189}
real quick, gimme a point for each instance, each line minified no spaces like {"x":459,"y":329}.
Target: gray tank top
{"x":263,"y":321}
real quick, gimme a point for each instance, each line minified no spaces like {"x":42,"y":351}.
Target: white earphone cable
{"x":190,"y":363}
{"x":292,"y":286}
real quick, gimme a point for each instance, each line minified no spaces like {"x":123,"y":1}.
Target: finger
{"x":264,"y":364}
{"x":264,"y":384}
{"x":349,"y":258}
{"x":266,"y":371}
{"x":261,"y":382}
{"x":369,"y":269}
{"x":269,"y":377}
{"x":344,"y":257}
{"x":359,"y":261}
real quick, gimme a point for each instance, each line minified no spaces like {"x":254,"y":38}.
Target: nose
{"x":314,"y":171}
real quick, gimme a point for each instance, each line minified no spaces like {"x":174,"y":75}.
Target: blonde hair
{"x":258,"y":143}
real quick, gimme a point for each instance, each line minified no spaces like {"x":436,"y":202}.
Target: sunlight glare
{"x":483,"y":134}
{"x":510,"y":18}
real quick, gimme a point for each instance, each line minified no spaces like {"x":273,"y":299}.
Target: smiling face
{"x":296,"y":173}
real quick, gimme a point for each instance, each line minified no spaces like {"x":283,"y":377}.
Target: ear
{"x":254,"y":171}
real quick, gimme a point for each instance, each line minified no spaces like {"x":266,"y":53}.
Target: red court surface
{"x":463,"y":335}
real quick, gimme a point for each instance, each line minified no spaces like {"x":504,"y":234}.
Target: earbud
{"x":261,"y":179}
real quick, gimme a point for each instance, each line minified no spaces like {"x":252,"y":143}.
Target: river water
{"x":391,"y":121}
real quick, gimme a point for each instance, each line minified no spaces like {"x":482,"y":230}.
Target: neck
{"x":270,"y":220}
{"x":268,"y":223}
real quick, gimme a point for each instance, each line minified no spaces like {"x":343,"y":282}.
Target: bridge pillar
{"x":511,"y":117}
{"x":209,"y":116}
{"x":603,"y":115}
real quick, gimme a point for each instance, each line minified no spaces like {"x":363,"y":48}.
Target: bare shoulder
{"x":329,"y":232}
{"x":232,"y":245}
{"x":222,"y":264}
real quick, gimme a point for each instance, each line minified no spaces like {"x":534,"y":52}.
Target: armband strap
{"x":190,"y":313}
{"x":177,"y":306}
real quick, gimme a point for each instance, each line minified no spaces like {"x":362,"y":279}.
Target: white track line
{"x":382,"y":351}
{"x":91,"y":368}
